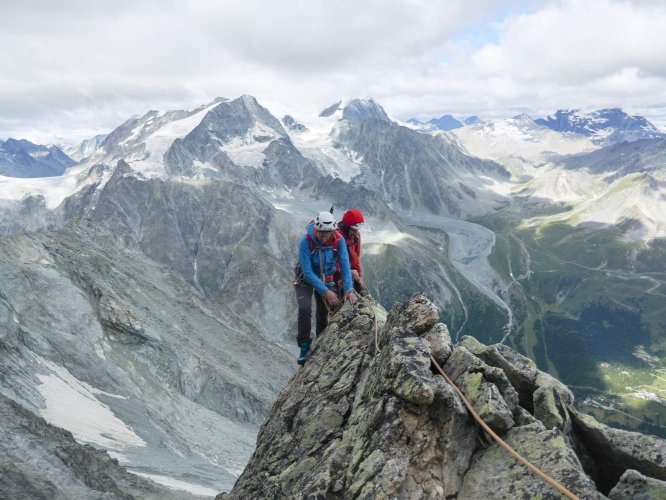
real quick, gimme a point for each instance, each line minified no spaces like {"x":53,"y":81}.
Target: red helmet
{"x":352,"y":217}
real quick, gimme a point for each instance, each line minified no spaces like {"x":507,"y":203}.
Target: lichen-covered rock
{"x":614,"y":450}
{"x":551,"y":408}
{"x":635,"y":486}
{"x":440,"y":342}
{"x":487,"y":401}
{"x":487,"y":388}
{"x":521,"y":371}
{"x":361,"y":422}
{"x":550,"y":400}
{"x":492,"y":475}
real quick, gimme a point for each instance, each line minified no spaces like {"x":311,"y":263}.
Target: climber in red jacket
{"x":349,"y":227}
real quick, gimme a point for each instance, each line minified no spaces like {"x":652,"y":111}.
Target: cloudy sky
{"x":74,"y":68}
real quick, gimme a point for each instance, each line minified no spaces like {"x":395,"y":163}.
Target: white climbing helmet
{"x":325,"y":222}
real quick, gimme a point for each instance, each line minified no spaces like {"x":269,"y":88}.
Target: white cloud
{"x":72,"y":69}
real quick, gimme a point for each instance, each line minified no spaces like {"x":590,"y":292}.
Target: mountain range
{"x":604,"y":127}
{"x":163,"y":261}
{"x":22,"y":158}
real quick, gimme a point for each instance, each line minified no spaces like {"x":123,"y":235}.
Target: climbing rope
{"x":374,"y":316}
{"x":501,"y":442}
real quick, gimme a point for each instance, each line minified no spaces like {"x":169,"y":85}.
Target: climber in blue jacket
{"x":321,"y":252}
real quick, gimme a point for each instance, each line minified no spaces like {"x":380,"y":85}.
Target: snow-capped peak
{"x":604,"y":126}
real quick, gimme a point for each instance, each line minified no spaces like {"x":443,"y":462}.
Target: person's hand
{"x":331,"y":297}
{"x":356,"y":277}
{"x":351,"y":297}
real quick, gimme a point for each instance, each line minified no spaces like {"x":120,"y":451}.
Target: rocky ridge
{"x":368,"y":418}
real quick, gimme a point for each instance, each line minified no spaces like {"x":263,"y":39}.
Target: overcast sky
{"x":72,"y":69}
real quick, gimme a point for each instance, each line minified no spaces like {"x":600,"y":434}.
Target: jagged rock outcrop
{"x":367,"y":417}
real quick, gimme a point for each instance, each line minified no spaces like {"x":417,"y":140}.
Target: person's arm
{"x":343,"y":261}
{"x":305,"y":261}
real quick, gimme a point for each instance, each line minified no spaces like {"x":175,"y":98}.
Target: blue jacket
{"x":310,"y":262}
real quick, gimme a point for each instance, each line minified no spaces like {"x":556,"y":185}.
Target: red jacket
{"x":354,"y":251}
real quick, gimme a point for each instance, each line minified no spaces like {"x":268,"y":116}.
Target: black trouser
{"x":304,"y":297}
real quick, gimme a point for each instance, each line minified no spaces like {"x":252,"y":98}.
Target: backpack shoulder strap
{"x":311,"y":243}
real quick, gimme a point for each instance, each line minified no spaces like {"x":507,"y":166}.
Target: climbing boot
{"x":305,"y":351}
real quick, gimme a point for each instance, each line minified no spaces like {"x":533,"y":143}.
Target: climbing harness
{"x":501,"y":442}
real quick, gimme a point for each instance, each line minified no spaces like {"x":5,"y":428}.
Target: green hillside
{"x":591,"y":310}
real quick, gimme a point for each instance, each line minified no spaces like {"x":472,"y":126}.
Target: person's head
{"x":324,"y":225}
{"x":353,"y":219}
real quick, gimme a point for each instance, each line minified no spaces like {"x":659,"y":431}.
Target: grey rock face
{"x":494,"y":474}
{"x":242,"y":119}
{"x":364,"y":110}
{"x":642,"y":156}
{"x":330,"y":109}
{"x":413,"y":171}
{"x":546,"y":397}
{"x":180,"y":382}
{"x":615,"y":451}
{"x":354,"y":421}
{"x":284,"y":165}
{"x":293,"y":125}
{"x":218,"y":235}
{"x":40,"y":461}
{"x":635,"y":486}
{"x":359,"y":421}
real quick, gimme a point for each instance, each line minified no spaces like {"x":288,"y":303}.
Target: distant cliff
{"x":368,"y":417}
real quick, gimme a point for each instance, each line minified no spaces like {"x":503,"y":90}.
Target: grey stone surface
{"x":354,"y":423}
{"x":40,"y":461}
{"x":635,"y":486}
{"x":100,"y":320}
{"x":494,"y":474}
{"x":615,"y":451}
{"x":414,"y":171}
{"x":357,"y":423}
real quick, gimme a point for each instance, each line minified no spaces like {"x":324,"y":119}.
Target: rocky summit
{"x":368,"y":417}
